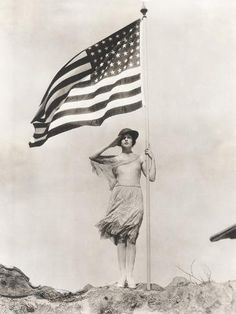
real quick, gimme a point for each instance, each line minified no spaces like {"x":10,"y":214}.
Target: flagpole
{"x":144,"y":62}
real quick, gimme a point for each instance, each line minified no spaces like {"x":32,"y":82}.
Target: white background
{"x":50,"y":200}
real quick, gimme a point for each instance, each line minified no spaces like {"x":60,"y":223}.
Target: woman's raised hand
{"x":115,"y":142}
{"x":112,"y":144}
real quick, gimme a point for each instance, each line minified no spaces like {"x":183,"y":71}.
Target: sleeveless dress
{"x":125,"y":209}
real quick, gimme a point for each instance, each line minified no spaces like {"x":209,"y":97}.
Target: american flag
{"x":101,"y":81}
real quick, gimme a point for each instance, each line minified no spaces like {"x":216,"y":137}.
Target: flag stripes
{"x":100,"y":98}
{"x":100,"y":82}
{"x":103,"y":89}
{"x":39,"y":140}
{"x":98,"y":121}
{"x":79,"y":60}
{"x":97,"y":106}
{"x":91,"y":113}
{"x":62,"y":84}
{"x":66,"y":79}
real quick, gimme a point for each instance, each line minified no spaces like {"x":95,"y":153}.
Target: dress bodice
{"x":118,"y":171}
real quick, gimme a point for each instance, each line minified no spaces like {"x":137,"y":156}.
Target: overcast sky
{"x":51,"y":200}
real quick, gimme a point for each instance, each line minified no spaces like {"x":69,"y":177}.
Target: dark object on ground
{"x":229,"y":233}
{"x":14,"y":283}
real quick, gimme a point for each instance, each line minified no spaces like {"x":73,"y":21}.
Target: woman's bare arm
{"x":152,"y":165}
{"x":112,"y":144}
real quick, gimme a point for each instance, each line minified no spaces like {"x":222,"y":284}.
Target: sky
{"x":49,"y":198}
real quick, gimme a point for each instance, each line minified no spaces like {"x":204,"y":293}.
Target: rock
{"x":232,"y":284}
{"x":14,"y":283}
{"x":154,"y":286}
{"x":48,"y":293}
{"x":86,"y":288}
{"x":178,"y":282}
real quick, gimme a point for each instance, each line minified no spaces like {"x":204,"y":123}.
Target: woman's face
{"x":127,"y":141}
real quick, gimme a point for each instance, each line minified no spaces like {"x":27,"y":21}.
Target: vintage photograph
{"x":118,"y":156}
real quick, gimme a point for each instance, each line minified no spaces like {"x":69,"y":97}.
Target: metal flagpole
{"x":144,"y":63}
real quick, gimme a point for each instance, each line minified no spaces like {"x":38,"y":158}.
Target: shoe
{"x":121,"y":283}
{"x":118,"y":285}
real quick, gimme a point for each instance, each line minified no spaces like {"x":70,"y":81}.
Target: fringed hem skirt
{"x":124,"y":215}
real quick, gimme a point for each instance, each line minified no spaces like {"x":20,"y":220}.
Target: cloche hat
{"x":133,"y":133}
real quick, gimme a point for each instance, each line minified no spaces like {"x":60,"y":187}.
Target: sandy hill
{"x":18,"y":296}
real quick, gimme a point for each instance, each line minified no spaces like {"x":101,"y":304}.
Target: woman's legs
{"x":130,"y":260}
{"x":126,"y":253}
{"x":121,"y":253}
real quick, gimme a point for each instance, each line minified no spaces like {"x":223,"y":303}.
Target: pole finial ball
{"x":144,"y":11}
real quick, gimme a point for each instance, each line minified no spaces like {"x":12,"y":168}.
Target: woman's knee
{"x":121,"y":242}
{"x":131,"y":243}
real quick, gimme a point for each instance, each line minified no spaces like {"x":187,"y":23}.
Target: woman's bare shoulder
{"x":142,"y":158}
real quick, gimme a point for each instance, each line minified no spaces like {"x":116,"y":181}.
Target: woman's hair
{"x":123,"y":135}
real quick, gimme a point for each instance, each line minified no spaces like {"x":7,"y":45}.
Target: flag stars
{"x":116,"y":53}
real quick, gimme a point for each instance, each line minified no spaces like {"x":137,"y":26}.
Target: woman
{"x":125,"y":211}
